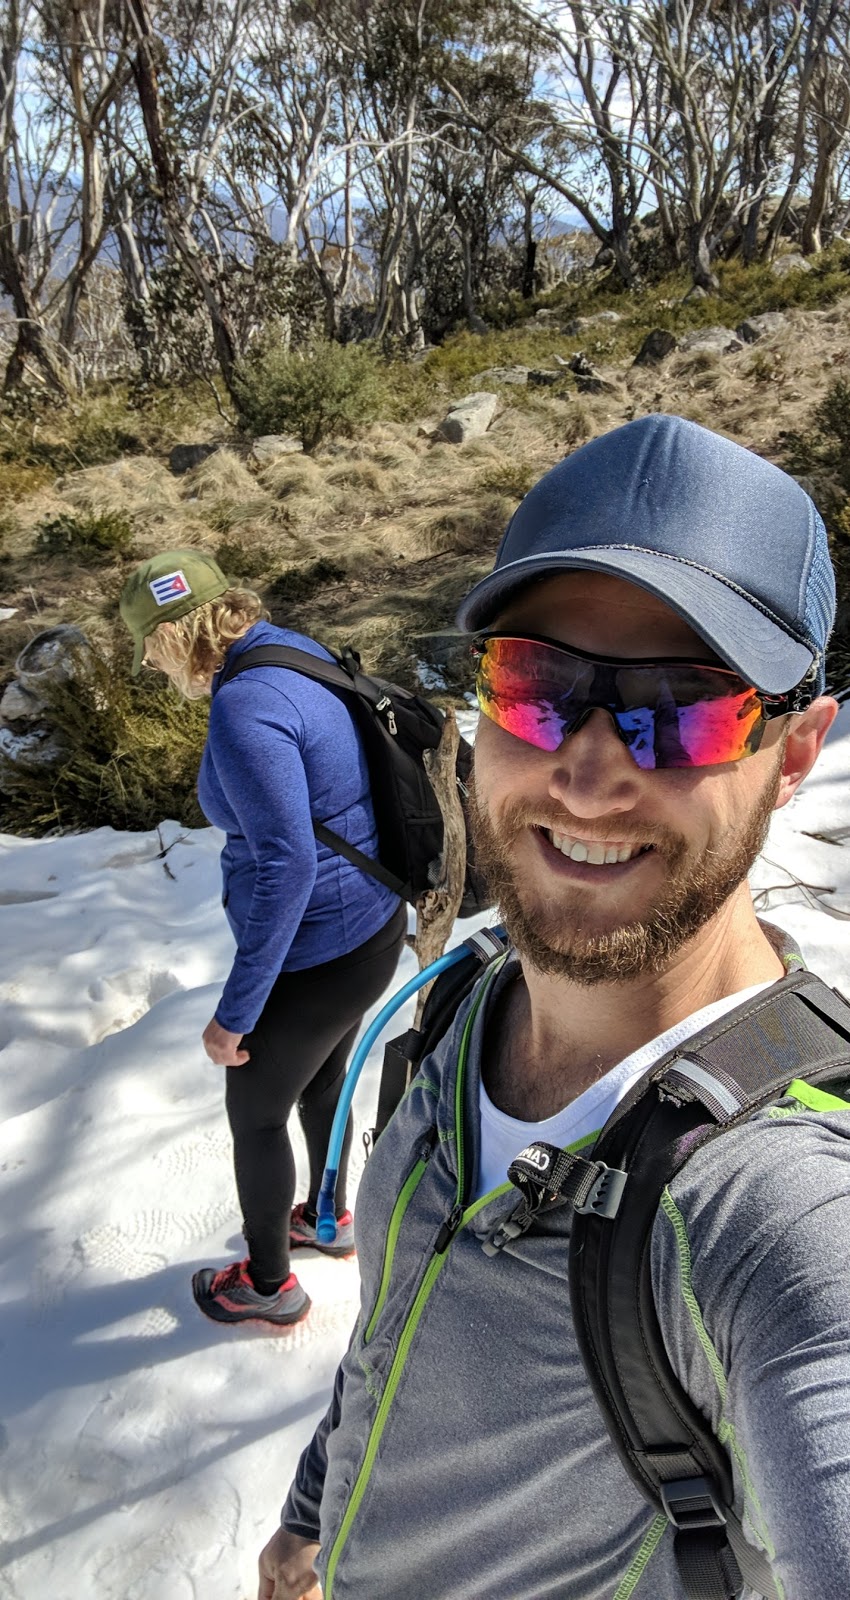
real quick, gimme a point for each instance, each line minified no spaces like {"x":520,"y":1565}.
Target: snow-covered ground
{"x":144,"y":1451}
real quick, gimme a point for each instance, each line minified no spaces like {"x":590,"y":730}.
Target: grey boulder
{"x":469,"y":418}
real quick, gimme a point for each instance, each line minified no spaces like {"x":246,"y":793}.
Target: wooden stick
{"x":437,"y":909}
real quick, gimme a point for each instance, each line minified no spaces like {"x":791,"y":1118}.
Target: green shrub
{"x":131,"y":754}
{"x":240,"y":562}
{"x":97,"y":537}
{"x":301,"y":583}
{"x":832,"y":415}
{"x":823,"y":450}
{"x":314,"y":393}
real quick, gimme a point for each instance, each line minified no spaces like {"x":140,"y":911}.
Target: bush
{"x":96,"y":537}
{"x":323,"y":390}
{"x":241,"y":562}
{"x":301,"y":583}
{"x":132,"y":750}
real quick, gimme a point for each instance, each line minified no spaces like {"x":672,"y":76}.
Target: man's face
{"x":548,"y":825}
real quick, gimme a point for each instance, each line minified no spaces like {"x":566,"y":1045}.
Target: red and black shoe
{"x":302,"y":1233}
{"x":230,"y":1296}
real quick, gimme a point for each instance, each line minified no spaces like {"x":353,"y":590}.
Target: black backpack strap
{"x":796,"y":1028}
{"x":334,"y":675}
{"x":341,"y":847}
{"x":403,"y":1055}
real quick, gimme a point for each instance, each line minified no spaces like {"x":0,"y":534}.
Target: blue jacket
{"x":280,"y":751}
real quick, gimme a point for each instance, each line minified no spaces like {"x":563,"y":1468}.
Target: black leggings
{"x":299,"y":1050}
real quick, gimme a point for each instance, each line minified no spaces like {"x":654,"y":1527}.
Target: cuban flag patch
{"x":172,"y":586}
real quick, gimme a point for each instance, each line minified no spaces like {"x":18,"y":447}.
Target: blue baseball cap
{"x":727,"y":540}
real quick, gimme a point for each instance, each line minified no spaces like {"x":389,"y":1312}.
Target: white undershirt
{"x":502,"y":1137}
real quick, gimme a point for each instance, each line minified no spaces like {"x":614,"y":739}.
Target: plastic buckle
{"x":693,"y":1503}
{"x":606,"y":1192}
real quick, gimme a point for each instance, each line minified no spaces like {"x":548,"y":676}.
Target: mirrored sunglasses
{"x":668,"y":713}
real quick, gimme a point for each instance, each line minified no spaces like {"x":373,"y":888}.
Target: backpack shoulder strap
{"x":334,"y":675}
{"x":403,"y":1055}
{"x":796,"y":1028}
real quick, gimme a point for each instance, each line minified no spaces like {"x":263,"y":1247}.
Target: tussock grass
{"x":462,"y":529}
{"x":291,"y":475}
{"x":222,"y":476}
{"x":362,"y":474}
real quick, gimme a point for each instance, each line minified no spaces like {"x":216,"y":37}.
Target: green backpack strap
{"x":796,"y":1028}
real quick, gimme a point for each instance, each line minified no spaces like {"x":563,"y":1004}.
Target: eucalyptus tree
{"x":63,"y":67}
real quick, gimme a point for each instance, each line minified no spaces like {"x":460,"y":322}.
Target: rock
{"x":468,"y":418}
{"x":19,"y":704}
{"x":548,"y":316}
{"x":588,"y":379}
{"x":717,"y":341}
{"x":39,"y":747}
{"x":50,"y":657}
{"x":783,"y":265}
{"x":755,"y":328}
{"x":543,"y":378}
{"x":270,"y":446}
{"x":657,"y":345}
{"x":517,"y":375}
{"x":186,"y":456}
{"x":696,"y":292}
{"x":444,"y":652}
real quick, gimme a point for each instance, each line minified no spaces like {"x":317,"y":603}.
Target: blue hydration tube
{"x":326,"y":1207}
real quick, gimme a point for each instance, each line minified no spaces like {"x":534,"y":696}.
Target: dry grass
{"x":222,"y":476}
{"x":410,"y":523}
{"x":461,"y":530}
{"x":291,"y":475}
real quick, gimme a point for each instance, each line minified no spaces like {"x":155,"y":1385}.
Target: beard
{"x":548,"y":932}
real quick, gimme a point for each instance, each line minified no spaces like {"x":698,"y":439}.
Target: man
{"x":651,"y":680}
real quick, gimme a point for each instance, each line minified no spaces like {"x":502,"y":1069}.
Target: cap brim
{"x":739,"y":632}
{"x":138,"y":658}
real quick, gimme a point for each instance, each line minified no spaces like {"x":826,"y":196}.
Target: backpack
{"x":396,"y":727}
{"x":716,"y":1079}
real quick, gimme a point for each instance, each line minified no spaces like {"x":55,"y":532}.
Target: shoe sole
{"x":216,"y":1313}
{"x":323,"y":1249}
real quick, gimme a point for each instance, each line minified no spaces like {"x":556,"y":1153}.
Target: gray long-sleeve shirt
{"x":463,"y":1456}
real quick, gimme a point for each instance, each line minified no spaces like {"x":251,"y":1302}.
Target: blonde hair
{"x":191,"y":649}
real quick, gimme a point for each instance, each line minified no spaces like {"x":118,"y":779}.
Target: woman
{"x":317,"y":940}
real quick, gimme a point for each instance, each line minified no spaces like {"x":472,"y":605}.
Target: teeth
{"x":596,"y":855}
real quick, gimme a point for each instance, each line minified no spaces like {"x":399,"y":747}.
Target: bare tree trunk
{"x":832,"y":106}
{"x":177,"y":224}
{"x":437,"y":910}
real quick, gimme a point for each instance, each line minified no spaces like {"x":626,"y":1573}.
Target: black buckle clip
{"x":606,"y":1192}
{"x":693,"y":1503}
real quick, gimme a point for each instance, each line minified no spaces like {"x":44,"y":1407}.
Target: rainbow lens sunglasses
{"x":669,"y":713}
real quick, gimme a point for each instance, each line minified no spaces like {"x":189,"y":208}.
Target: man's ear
{"x":803,"y":744}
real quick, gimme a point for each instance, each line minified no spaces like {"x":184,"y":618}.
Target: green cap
{"x":167,"y":587}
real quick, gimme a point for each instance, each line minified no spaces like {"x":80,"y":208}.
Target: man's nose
{"x":592,"y":772}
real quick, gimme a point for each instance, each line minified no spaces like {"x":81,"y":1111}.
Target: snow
{"x":145,"y":1451}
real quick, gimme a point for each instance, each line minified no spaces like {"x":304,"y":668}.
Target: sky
{"x":144,"y":1450}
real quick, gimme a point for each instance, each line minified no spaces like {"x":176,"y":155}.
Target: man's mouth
{"x":595,"y":852}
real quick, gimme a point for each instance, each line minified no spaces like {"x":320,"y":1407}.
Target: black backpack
{"x":798,"y":1027}
{"x":397,"y":727}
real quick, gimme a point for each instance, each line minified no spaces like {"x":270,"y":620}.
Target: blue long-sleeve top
{"x":280,"y":751}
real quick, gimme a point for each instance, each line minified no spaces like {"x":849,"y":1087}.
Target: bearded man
{"x":650,"y":672}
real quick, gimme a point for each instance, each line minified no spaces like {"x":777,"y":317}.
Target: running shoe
{"x":302,"y":1234}
{"x":230,"y":1296}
